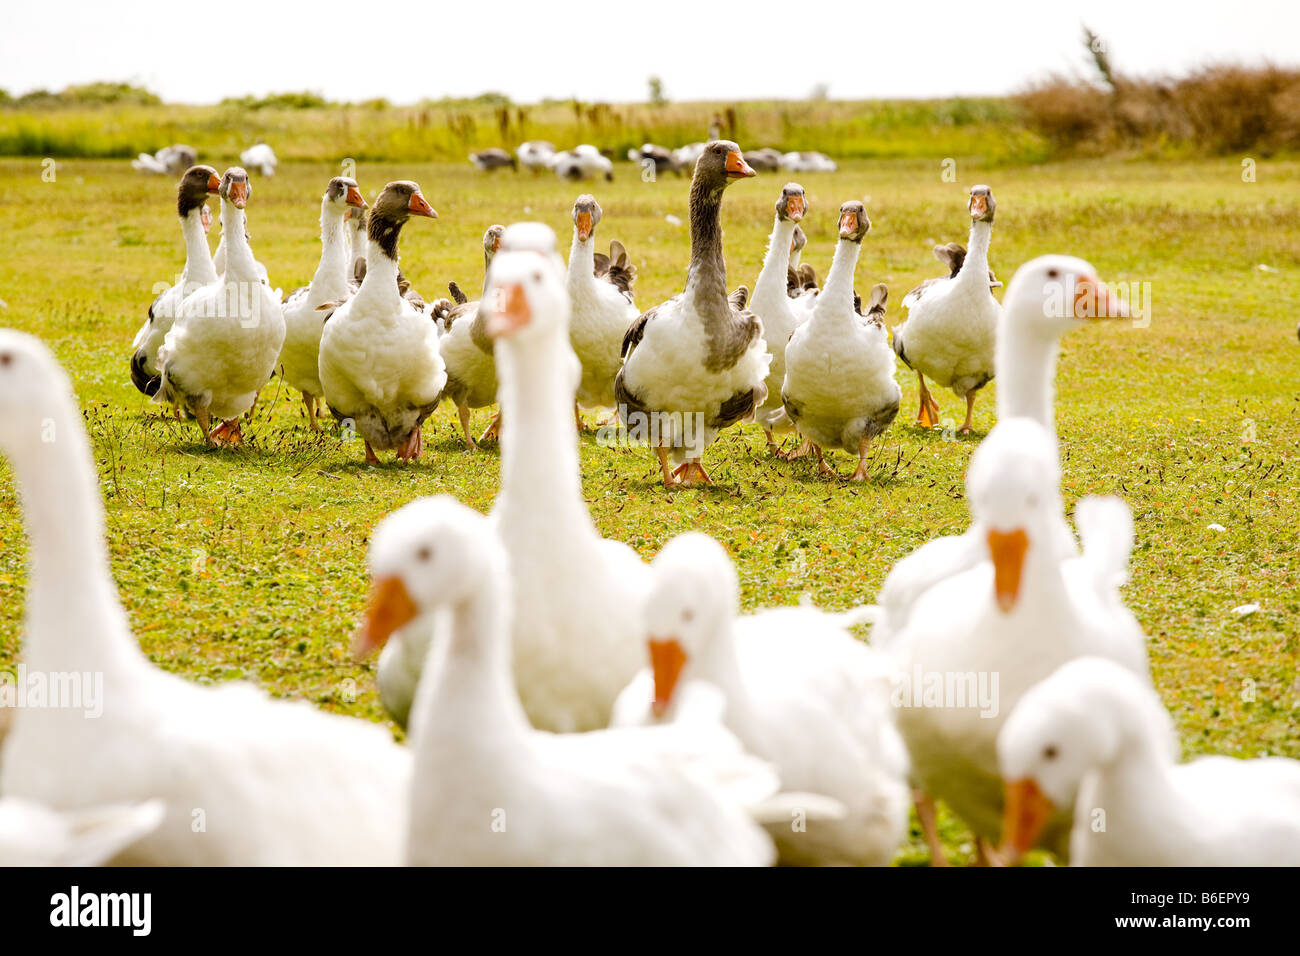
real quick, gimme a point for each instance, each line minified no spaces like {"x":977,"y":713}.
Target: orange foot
{"x":228,"y":433}
{"x":412,"y":447}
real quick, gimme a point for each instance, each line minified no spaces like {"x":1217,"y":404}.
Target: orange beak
{"x":1008,"y":550}
{"x":979,"y":205}
{"x":214,"y":183}
{"x":583,"y":223}
{"x":354,"y":198}
{"x":419,"y":206}
{"x":1025,"y":811}
{"x":510,"y":311}
{"x":1093,"y":300}
{"x":737,"y":168}
{"x":390,"y":608}
{"x":794,"y":208}
{"x":667,"y":658}
{"x":848,"y":224}
{"x":239,"y":194}
{"x":496,"y":244}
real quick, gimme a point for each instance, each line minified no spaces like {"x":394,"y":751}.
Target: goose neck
{"x":199,"y":270}
{"x":706,"y":281}
{"x":1025,"y":360}
{"x":838,"y":291}
{"x":331,"y":277}
{"x":771,"y":281}
{"x":240,"y":265}
{"x":582,"y":260}
{"x":381,"y":261}
{"x":975,"y":267}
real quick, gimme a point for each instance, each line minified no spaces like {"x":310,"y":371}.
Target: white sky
{"x":605,"y":49}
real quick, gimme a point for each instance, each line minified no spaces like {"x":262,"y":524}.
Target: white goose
{"x":225,"y":343}
{"x":797,"y":689}
{"x":379,"y":360}
{"x":696,"y":364}
{"x":577,"y":596}
{"x":951,"y":323}
{"x":1096,"y":736}
{"x":467,"y":351}
{"x":198,"y":183}
{"x":582,"y":162}
{"x":839,"y":387}
{"x":771,"y":303}
{"x":303,"y":319}
{"x":489,"y":789}
{"x":261,"y":157}
{"x":535,"y":155}
{"x":601,"y":293}
{"x":246,"y":780}
{"x":34,"y":835}
{"x":1023,"y":612}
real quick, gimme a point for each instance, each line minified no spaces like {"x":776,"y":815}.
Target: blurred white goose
{"x":771,"y":303}
{"x":839,"y":387}
{"x":168,"y":161}
{"x":304,"y":321}
{"x":198,"y":183}
{"x":34,"y":835}
{"x":582,"y":162}
{"x":951,"y":323}
{"x":1023,"y":612}
{"x":246,"y":780}
{"x":568,"y":667}
{"x":224,"y":345}
{"x":797,"y":689}
{"x":535,"y":155}
{"x":467,"y":351}
{"x":261,"y":157}
{"x":601,"y":293}
{"x":379,"y":361}
{"x":696,"y":364}
{"x":489,"y":789}
{"x":807,"y":162}
{"x":1095,"y":735}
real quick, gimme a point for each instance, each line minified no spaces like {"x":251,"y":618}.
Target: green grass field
{"x":249,"y":563}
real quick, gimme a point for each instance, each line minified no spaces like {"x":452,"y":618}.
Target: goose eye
{"x":537,"y":277}
{"x":425,"y":553}
{"x":5,"y":358}
{"x":1049,"y":752}
{"x":1053,"y":274}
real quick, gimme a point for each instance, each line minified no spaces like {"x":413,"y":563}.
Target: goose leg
{"x":310,"y":402}
{"x":228,"y":433}
{"x":970,"y":411}
{"x":493,"y":431}
{"x":412,"y":447}
{"x":463,"y":412}
{"x":823,"y":469}
{"x":861,"y":473}
{"x":201,"y":415}
{"x":927,"y":814}
{"x":670,"y":476}
{"x":928,"y":416}
{"x":577,"y":417}
{"x":371,"y":457}
{"x":697,"y":468}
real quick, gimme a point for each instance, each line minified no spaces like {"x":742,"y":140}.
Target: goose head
{"x":430,"y":553}
{"x":792,"y":206}
{"x":1052,"y":294}
{"x":720,"y":164}
{"x":981,"y":204}
{"x":1013,"y":486}
{"x":35,"y":395}
{"x":235,"y":187}
{"x":525,"y":295}
{"x":694,"y":597}
{"x":854,"y":224}
{"x":400,"y":200}
{"x":586,"y":214}
{"x":1078,"y":719}
{"x":492,"y":241}
{"x":344,"y":193}
{"x":798,"y":241}
{"x":196,"y":185}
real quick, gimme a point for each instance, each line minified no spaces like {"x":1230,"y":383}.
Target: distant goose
{"x":490,"y":160}
{"x":582,"y":162}
{"x":808,"y":162}
{"x":688,"y":154}
{"x":661,"y":157}
{"x":168,"y":161}
{"x":536,"y":155}
{"x":261,"y":157}
{"x":764,"y":160}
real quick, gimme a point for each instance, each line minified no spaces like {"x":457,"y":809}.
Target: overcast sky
{"x":605,"y":50}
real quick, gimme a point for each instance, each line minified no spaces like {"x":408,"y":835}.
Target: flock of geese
{"x":567,"y":703}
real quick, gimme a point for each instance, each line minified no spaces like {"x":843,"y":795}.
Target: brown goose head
{"x":198,"y":183}
{"x":854,"y":224}
{"x":982,"y":204}
{"x":721,"y":163}
{"x":235,"y":187}
{"x":798,"y":241}
{"x":586,"y":214}
{"x":792,"y":206}
{"x":492,"y":241}
{"x":343,"y":191}
{"x":399,"y":201}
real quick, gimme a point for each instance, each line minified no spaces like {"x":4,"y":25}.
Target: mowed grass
{"x":249,"y":563}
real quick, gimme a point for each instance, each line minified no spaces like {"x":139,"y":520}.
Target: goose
{"x":536,"y":155}
{"x":687,"y":155}
{"x":764,"y":160}
{"x":796,"y":688}
{"x":660,"y":158}
{"x":1096,"y":736}
{"x":952,"y":255}
{"x":246,"y":780}
{"x":582,"y":162}
{"x":260,"y":157}
{"x":771,"y":303}
{"x":198,"y":183}
{"x":358,"y":223}
{"x":34,"y":835}
{"x":489,"y":789}
{"x":168,"y":161}
{"x":303,"y":320}
{"x":226,"y":340}
{"x":951,"y":323}
{"x":840,"y":390}
{"x":807,"y":162}
{"x":600,"y":291}
{"x":697,"y":363}
{"x":490,"y":160}
{"x":569,"y":664}
{"x":467,"y":351}
{"x":1023,"y":611}
{"x":379,"y":361}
